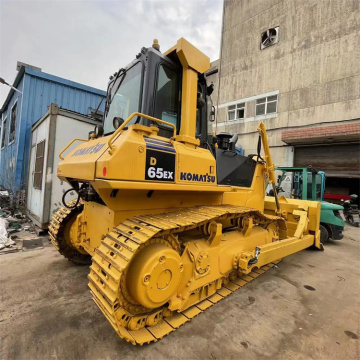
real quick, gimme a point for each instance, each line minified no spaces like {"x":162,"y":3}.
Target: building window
{"x":236,"y":112}
{"x":3,"y":134}
{"x":13,"y":123}
{"x":266,"y":105}
{"x":39,"y":165}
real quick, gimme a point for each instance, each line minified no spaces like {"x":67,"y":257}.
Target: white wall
{"x":315,"y":66}
{"x":66,"y":130}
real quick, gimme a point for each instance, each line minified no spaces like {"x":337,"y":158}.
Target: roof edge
{"x":54,"y":109}
{"x":60,"y":80}
{"x":49,"y":77}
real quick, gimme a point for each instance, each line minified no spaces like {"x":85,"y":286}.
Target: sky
{"x":87,"y":41}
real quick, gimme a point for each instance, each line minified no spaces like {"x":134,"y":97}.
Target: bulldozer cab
{"x":172,"y":87}
{"x":157,"y":111}
{"x":152,"y":85}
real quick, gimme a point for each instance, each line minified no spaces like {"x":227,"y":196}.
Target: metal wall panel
{"x":57,"y":128}
{"x":39,"y":91}
{"x":8,"y":154}
{"x":62,"y":138}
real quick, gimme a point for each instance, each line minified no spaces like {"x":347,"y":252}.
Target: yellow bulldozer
{"x":170,"y":217}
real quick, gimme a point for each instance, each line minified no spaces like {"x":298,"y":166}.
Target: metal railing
{"x":111,"y":147}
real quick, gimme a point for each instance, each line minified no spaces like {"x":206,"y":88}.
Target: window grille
{"x":3,"y":134}
{"x":13,"y":123}
{"x":39,"y":165}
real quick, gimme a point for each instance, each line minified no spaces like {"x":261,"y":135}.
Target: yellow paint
{"x":68,"y":145}
{"x":190,"y":56}
{"x":80,"y":163}
{"x":188,"y":106}
{"x":144,"y":128}
{"x":193,"y":62}
{"x":187,"y":242}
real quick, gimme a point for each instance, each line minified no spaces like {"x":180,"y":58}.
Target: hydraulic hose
{"x":64,"y":202}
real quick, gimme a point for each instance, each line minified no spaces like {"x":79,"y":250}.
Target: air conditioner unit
{"x":269,"y":37}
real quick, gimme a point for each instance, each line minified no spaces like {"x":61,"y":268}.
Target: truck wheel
{"x":324,"y":234}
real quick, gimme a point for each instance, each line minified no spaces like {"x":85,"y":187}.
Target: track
{"x":131,"y":321}
{"x":57,"y":232}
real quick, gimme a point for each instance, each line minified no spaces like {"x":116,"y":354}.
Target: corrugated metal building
{"x":20,"y":111}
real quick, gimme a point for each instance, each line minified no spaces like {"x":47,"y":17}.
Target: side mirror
{"x":212,"y":114}
{"x":117,"y":122}
{"x":90,"y":134}
{"x":210,"y":89}
{"x":99,"y":131}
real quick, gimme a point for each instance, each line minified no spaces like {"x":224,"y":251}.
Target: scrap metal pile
{"x":11,"y":224}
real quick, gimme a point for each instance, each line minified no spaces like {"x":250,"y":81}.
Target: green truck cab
{"x":291,"y":184}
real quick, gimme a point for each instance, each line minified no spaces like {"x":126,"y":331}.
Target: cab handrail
{"x":118,"y":130}
{"x":68,"y":145}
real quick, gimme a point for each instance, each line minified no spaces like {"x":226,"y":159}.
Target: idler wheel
{"x":154,"y":275}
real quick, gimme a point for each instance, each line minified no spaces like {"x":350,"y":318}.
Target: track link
{"x":58,"y":237}
{"x":113,"y":256}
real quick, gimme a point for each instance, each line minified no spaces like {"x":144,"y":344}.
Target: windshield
{"x":125,"y":97}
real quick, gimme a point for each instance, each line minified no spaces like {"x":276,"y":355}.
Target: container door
{"x":37,"y":173}
{"x":30,"y":189}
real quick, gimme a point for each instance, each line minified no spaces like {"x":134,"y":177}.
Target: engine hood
{"x":329,"y":206}
{"x":80,"y":163}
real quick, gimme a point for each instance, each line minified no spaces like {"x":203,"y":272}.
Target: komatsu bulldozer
{"x":171,"y":218}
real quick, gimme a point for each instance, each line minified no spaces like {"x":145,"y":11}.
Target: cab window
{"x":167,"y":104}
{"x":198,"y":116}
{"x":125,"y":97}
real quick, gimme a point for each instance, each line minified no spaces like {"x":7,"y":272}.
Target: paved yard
{"x":46,"y":312}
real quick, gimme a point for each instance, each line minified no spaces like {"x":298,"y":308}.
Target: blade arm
{"x":269,"y":164}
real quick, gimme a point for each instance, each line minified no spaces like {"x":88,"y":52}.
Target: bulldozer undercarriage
{"x":153,"y":273}
{"x":155,"y":219}
{"x":59,"y":230}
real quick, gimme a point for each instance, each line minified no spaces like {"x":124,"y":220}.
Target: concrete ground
{"x":46,"y":312}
